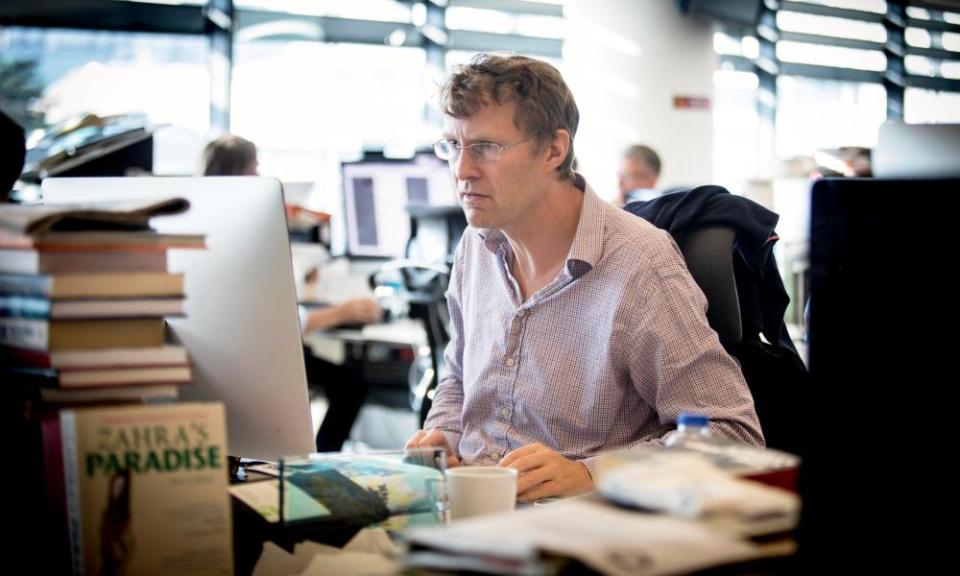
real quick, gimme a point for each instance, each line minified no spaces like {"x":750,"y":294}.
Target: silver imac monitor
{"x":241,"y":326}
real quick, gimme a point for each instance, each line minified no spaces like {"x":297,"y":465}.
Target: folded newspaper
{"x":607,"y":539}
{"x":38,"y":219}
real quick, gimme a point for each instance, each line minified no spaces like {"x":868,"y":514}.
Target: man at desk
{"x":576,"y":328}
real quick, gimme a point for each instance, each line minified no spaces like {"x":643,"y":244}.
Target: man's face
{"x":501,"y":193}
{"x":635,"y":174}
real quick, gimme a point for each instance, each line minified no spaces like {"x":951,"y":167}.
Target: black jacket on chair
{"x":774,"y":371}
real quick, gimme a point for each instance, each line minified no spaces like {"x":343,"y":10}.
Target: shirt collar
{"x":587,"y":246}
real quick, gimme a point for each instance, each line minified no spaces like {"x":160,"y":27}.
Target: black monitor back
{"x":882,"y":364}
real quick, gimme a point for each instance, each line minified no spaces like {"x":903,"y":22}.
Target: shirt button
{"x":509,"y":362}
{"x":505,"y":412}
{"x":521,"y":313}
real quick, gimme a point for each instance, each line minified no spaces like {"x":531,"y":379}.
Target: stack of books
{"x":84,"y":291}
{"x":118,"y":478}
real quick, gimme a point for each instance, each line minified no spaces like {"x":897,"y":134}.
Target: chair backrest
{"x":772,"y":376}
{"x":709,"y":256}
{"x":726,"y":242}
{"x":424,"y":285}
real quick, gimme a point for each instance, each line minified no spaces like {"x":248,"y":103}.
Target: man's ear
{"x":558,"y":149}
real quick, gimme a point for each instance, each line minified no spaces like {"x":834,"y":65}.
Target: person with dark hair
{"x":576,"y":327}
{"x":14,"y":154}
{"x":638,"y":175}
{"x":230,"y":155}
{"x":345,"y":389}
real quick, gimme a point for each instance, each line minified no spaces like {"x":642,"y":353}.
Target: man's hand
{"x":434,"y":437}
{"x":543,"y":473}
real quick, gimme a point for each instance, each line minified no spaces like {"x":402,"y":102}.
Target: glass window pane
{"x":815,"y":114}
{"x":726,"y":44}
{"x":81,"y":72}
{"x":541,"y":26}
{"x":917,"y":37}
{"x":920,"y":65}
{"x":499,"y":22}
{"x":383,"y":10}
{"x":830,"y":26}
{"x":929,"y":107}
{"x":479,"y":19}
{"x":950,"y":69}
{"x":735,"y":123}
{"x":877,"y":6}
{"x":307,"y":100}
{"x":951,"y":41}
{"x":804,"y":53}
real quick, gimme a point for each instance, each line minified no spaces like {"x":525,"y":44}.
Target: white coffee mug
{"x":478,"y":490}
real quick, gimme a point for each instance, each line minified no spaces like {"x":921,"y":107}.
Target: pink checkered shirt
{"x":603,"y":357}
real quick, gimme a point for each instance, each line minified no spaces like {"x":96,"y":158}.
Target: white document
{"x":608,"y":539}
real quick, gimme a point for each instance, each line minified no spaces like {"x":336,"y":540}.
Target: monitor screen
{"x":377,"y":193}
{"x":917,"y":151}
{"x":241,"y":326}
{"x":880,"y":301}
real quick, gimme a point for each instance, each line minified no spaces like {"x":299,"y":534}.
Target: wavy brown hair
{"x":543,"y":102}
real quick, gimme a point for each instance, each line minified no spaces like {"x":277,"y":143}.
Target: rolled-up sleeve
{"x":677,"y":363}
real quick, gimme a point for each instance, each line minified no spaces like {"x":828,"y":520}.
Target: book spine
{"x":71,"y":478}
{"x":24,"y":333}
{"x":27,"y":358}
{"x":37,"y":377}
{"x":15,"y":306}
{"x":56,"y":516}
{"x":25,"y":284}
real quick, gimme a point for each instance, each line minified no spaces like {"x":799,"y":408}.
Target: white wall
{"x":625,"y":60}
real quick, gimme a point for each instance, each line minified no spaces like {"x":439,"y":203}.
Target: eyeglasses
{"x":479,"y":151}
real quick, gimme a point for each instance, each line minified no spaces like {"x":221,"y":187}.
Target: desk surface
{"x":402,"y":332}
{"x":662,"y":543}
{"x":330,"y":344}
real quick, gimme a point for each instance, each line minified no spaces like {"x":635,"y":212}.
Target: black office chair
{"x":423,"y":289}
{"x":727,"y":243}
{"x":709,"y":256}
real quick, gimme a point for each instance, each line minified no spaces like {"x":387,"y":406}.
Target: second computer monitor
{"x":377,"y":192}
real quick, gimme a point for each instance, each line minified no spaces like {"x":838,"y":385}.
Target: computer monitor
{"x":882,"y":315}
{"x":377,"y":192}
{"x":917,"y":151}
{"x":241,"y":326}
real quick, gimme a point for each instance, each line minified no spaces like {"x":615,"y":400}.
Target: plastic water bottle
{"x":769,"y":466}
{"x":693,"y":429}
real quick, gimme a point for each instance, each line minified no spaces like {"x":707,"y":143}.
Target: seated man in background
{"x":638,"y":175}
{"x":576,"y":327}
{"x":231,"y":155}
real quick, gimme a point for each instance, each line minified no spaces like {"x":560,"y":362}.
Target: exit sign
{"x":691,"y":102}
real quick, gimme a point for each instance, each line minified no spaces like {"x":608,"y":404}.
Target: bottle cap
{"x":693,"y":419}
